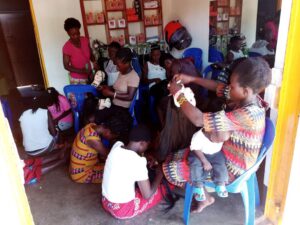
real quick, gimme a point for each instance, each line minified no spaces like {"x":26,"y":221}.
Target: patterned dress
{"x":84,"y":165}
{"x":247,"y":125}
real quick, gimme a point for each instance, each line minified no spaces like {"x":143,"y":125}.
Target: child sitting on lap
{"x":206,"y":155}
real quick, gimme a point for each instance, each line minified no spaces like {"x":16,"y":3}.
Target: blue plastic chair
{"x":7,"y":111}
{"x":246,"y":184}
{"x":79,"y":92}
{"x":132,"y":108}
{"x":214,"y":55}
{"x":196,"y":54}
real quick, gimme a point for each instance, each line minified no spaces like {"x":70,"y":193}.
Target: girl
{"x":245,"y":118}
{"x":124,"y":168}
{"x":235,"y":51}
{"x":38,"y":127}
{"x":85,"y":166}
{"x":60,"y":110}
{"x":77,"y":54}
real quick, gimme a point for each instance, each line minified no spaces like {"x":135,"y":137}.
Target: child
{"x":124,"y":168}
{"x":205,"y":155}
{"x":60,"y":110}
{"x":235,"y":51}
{"x":88,"y":148}
{"x":111,"y":69}
{"x":244,"y":117}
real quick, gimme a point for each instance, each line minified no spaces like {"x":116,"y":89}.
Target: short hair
{"x":140,"y":133}
{"x":155,"y":47}
{"x":235,"y":38}
{"x":118,"y":123}
{"x":41,"y":100}
{"x":115,"y":45}
{"x":125,"y":55}
{"x":71,"y":23}
{"x":253,"y":72}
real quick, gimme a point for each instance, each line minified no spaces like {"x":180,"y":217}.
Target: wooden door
{"x":17,"y":29}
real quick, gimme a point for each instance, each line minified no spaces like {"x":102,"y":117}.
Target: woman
{"x":89,"y":153}
{"x":111,"y":69}
{"x":244,"y":118}
{"x":60,"y":110}
{"x":125,"y":87}
{"x":77,"y":54}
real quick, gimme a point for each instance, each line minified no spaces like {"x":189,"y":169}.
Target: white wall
{"x":194,"y":15}
{"x":50,"y":16}
{"x":249,"y":17}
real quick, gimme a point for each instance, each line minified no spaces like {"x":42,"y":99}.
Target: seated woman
{"x":89,"y":153}
{"x":38,"y":127}
{"x":173,"y":119}
{"x":77,"y":55}
{"x":125,"y":87}
{"x":40,"y":140}
{"x":153,"y":73}
{"x":60,"y":110}
{"x":244,"y":117}
{"x":110,"y":68}
{"x":124,"y":168}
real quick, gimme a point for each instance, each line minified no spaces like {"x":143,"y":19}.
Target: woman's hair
{"x":155,"y":47}
{"x":125,"y":55}
{"x":253,"y":72}
{"x":119,"y":123}
{"x":115,"y":45}
{"x":53,"y":97}
{"x":41,"y":101}
{"x":71,"y":23}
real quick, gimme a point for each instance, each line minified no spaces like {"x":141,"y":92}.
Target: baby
{"x":206,"y":155}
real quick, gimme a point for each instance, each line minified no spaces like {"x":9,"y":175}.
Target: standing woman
{"x":77,"y":54}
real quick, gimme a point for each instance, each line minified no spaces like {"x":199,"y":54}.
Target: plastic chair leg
{"x":187,"y":203}
{"x":256,"y":190}
{"x":248,"y":196}
{"x":76,"y":122}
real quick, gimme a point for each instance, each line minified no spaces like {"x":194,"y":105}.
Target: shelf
{"x":118,"y":28}
{"x":235,"y":15}
{"x":153,"y":25}
{"x":115,"y":10}
{"x":93,"y":24}
{"x":156,"y":8}
{"x":137,"y":21}
{"x":222,"y":21}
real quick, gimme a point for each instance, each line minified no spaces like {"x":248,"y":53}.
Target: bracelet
{"x":181,"y":100}
{"x":115,"y":94}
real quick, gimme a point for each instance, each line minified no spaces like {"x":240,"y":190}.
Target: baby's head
{"x":250,"y":77}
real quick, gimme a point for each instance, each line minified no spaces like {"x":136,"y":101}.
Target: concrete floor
{"x":56,"y":200}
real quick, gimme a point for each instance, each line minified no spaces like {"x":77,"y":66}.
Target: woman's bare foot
{"x":199,"y":206}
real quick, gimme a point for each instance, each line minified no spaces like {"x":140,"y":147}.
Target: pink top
{"x":79,"y":57}
{"x":64,"y":106}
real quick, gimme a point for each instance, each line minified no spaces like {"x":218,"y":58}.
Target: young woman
{"x":244,"y":118}
{"x":110,"y":68}
{"x":77,"y":54}
{"x":124,"y":168}
{"x":88,"y":148}
{"x":125,"y":87}
{"x":60,"y":110}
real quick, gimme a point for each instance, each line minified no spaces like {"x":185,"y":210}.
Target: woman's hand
{"x":174,"y":87}
{"x":183,"y":78}
{"x":106,"y":91}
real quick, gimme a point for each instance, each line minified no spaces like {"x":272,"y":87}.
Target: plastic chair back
{"x":79,"y":93}
{"x":7,"y":111}
{"x":132,"y":108}
{"x":136,"y":64}
{"x":196,"y":54}
{"x":214,"y":55}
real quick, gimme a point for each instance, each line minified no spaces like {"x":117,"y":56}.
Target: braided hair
{"x":53,"y":97}
{"x":125,"y":55}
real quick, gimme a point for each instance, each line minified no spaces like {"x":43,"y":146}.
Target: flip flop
{"x":199,"y":194}
{"x":221,"y":191}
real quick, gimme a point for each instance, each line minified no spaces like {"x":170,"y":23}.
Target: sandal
{"x":221,"y":191}
{"x":199,"y":194}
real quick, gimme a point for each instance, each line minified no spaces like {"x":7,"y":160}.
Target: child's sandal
{"x":199,"y":194}
{"x":221,"y":191}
